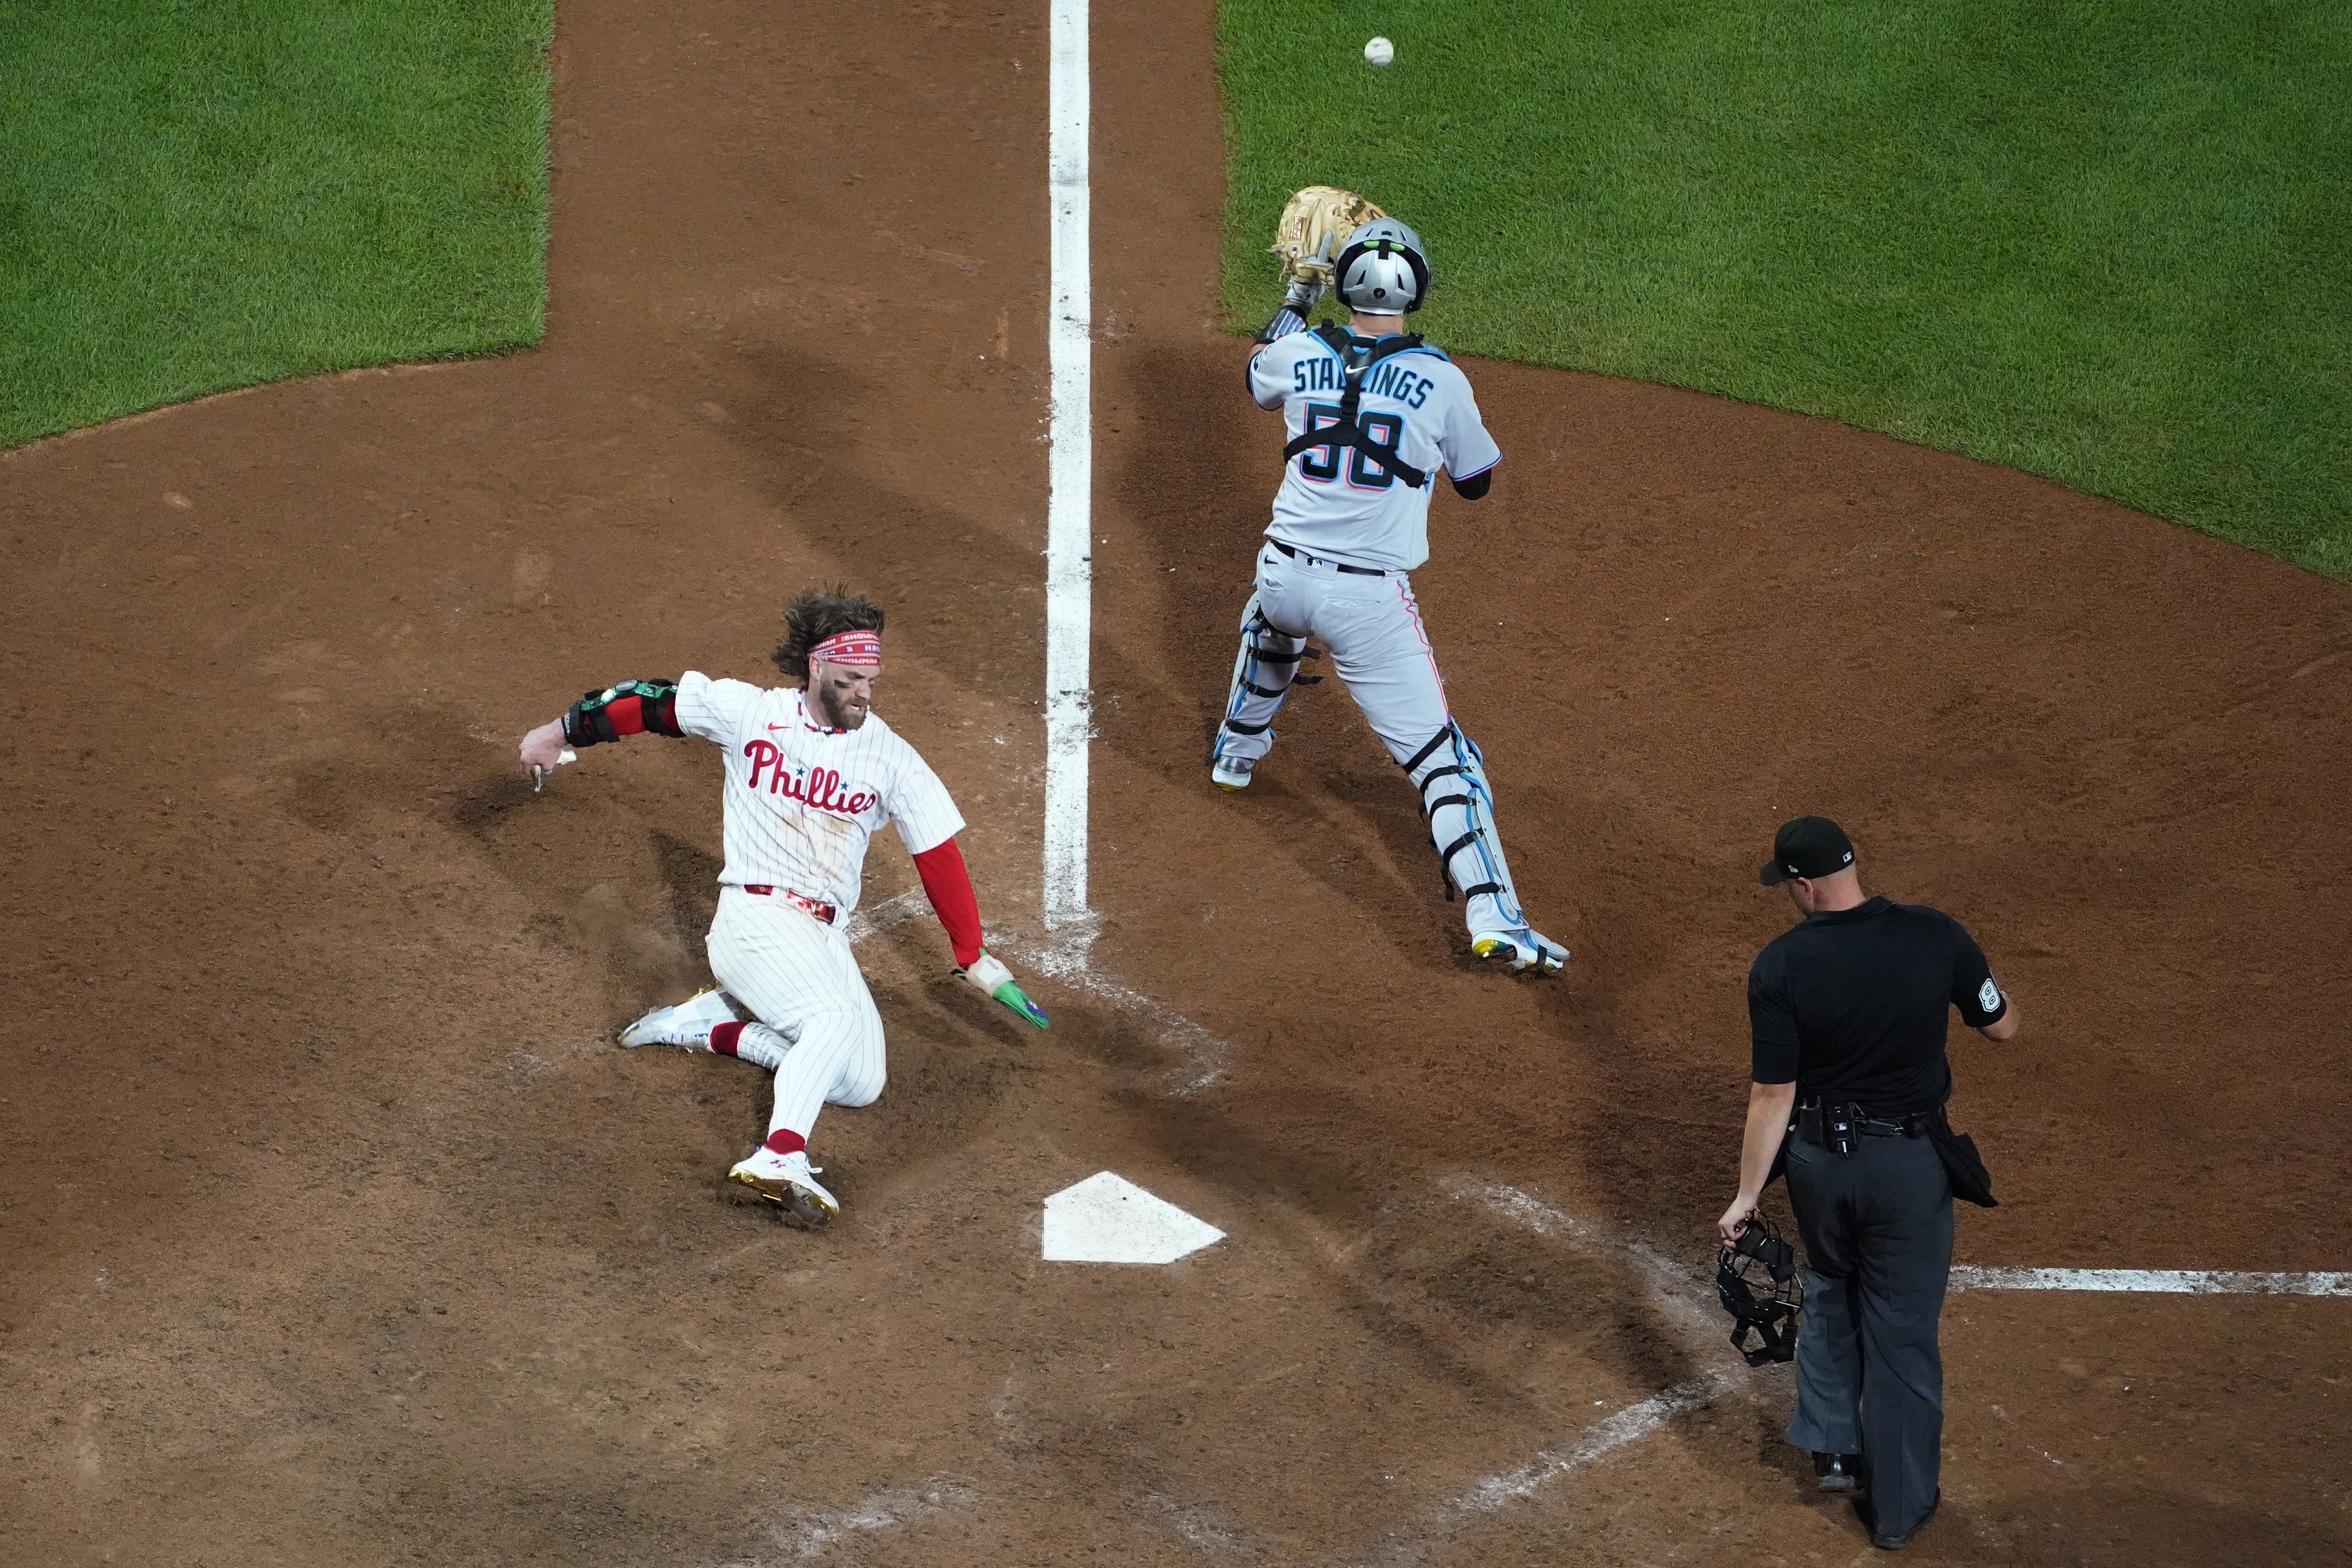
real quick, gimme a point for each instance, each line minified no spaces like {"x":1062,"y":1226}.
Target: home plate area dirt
{"x":339,"y":1231}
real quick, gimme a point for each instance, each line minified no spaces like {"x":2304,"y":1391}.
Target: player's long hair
{"x":814,"y":616}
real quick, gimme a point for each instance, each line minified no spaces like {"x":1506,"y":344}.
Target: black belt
{"x":1877,"y":1129}
{"x":1830,"y":1126}
{"x":1324,"y":561}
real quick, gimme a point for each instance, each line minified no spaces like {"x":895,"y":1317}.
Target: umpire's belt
{"x":800,"y":901}
{"x":1324,"y":561}
{"x":1817,"y":1123}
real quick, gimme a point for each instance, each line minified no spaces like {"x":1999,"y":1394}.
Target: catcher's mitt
{"x":1315,"y":222}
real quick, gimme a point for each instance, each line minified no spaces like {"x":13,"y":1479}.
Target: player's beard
{"x":833,"y":707}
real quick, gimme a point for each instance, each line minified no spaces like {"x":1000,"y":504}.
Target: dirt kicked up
{"x":338,"y":1230}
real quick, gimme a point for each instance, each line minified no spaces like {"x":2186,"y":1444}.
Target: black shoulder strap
{"x":1348,"y":432}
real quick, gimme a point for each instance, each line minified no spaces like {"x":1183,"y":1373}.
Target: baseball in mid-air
{"x":1378,"y":52}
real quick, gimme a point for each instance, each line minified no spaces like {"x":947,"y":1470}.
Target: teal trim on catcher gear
{"x":1449,"y":774}
{"x":1525,"y":949}
{"x":1357,"y":356}
{"x":1460,"y":818}
{"x":1265,"y":667}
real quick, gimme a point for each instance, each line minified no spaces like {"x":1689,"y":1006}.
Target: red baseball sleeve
{"x":950,"y":888}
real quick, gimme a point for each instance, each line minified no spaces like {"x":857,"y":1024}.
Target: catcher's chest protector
{"x":1356,"y":361}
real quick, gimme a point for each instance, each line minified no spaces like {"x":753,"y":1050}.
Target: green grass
{"x":2107,"y":242}
{"x":198,"y":194}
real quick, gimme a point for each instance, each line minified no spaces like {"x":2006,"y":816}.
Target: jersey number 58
{"x":1321,"y":464}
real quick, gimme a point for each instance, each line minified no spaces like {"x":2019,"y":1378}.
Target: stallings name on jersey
{"x":818,"y":788}
{"x":1388,"y":379}
{"x":1335,"y":501}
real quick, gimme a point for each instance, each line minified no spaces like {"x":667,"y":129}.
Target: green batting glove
{"x":989,"y":976}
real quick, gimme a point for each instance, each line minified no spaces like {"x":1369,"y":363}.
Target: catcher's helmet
{"x":1382,"y":268}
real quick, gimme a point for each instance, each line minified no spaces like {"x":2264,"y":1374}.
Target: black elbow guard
{"x":629,"y":707}
{"x":1474,"y":487}
{"x":1286,"y":321}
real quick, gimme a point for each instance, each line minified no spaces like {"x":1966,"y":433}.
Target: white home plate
{"x":1108,"y":1219}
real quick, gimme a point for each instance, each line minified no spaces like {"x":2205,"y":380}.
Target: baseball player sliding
{"x":1373,"y":413}
{"x":811,"y":772}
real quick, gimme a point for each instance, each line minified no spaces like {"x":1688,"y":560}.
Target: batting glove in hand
{"x":989,"y":976}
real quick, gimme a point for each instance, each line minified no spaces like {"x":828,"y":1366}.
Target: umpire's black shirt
{"x":1850,"y":1004}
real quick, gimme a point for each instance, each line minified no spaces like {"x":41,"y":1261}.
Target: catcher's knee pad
{"x":1450,"y":775}
{"x":1265,"y":667}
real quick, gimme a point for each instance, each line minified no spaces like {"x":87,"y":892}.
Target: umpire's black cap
{"x":1808,"y":847}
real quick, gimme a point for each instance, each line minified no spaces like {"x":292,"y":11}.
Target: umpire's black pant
{"x":1877,"y":1227}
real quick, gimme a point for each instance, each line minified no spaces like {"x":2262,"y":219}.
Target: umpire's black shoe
{"x":1869,"y":1516}
{"x":1838,"y":1472}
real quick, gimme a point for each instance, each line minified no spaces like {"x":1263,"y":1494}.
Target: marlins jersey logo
{"x":803,"y":799}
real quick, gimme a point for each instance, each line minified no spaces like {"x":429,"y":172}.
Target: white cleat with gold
{"x":788,"y":1180}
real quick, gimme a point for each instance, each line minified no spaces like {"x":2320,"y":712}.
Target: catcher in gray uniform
{"x":1375,"y":414}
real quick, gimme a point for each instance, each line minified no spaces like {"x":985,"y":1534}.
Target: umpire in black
{"x":1848,"y":1012}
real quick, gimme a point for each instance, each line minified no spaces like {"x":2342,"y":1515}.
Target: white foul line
{"x":1663,"y":1277}
{"x":890,"y":912}
{"x":1070,"y":557}
{"x":1677,"y":1292}
{"x":1202,"y":1057}
{"x":1634,"y":1422}
{"x":1545,"y":1220}
{"x":1069,"y":515}
{"x":2162,"y":1281}
{"x":807,"y":1535}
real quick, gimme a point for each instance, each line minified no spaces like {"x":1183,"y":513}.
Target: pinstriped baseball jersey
{"x":1335,"y":503}
{"x":803,"y":799}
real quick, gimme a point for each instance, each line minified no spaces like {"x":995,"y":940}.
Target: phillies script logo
{"x":820,"y":791}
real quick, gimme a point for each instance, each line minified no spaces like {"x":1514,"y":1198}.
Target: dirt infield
{"x":413,"y":1266}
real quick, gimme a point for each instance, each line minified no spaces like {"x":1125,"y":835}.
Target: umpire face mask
{"x":1756,"y":1280}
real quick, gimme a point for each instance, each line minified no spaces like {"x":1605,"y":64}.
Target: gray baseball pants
{"x":1380,"y":651}
{"x":1877,"y":1227}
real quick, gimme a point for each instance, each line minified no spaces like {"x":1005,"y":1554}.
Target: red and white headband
{"x":861,"y":650}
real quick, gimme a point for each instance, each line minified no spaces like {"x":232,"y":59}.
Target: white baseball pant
{"x":799,"y":977}
{"x":1371,"y":625}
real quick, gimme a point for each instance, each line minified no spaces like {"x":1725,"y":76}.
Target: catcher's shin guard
{"x":1265,"y":668}
{"x":1457,"y":802}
